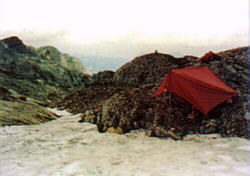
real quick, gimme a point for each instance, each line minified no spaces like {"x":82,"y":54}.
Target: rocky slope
{"x":149,"y":68}
{"x":132,"y":107}
{"x":44,"y":73}
{"x":31,"y":77}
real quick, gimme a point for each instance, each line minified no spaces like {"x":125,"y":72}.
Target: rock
{"x":23,"y":98}
{"x":23,"y":113}
{"x":6,"y":95}
{"x":4,"y":91}
{"x":115,"y":130}
{"x":17,"y":109}
{"x":199,"y":137}
{"x":126,"y":109}
{"x":91,"y":97}
{"x":104,"y":75}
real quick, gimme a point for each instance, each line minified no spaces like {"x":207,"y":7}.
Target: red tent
{"x":207,"y":55}
{"x":197,"y":85}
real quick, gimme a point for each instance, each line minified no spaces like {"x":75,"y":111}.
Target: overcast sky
{"x":127,"y":28}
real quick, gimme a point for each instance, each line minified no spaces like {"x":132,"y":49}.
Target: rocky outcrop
{"x":104,"y":75}
{"x":15,"y":45}
{"x":52,"y":54}
{"x":166,"y":115}
{"x":23,"y":113}
{"x":21,"y":110}
{"x":149,"y":68}
{"x":92,"y":96}
{"x":44,"y":74}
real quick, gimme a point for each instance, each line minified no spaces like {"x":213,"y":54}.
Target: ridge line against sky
{"x":119,"y":28}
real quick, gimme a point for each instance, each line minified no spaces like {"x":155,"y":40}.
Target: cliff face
{"x":44,"y":74}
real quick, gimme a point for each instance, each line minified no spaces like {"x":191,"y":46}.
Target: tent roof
{"x":204,"y":76}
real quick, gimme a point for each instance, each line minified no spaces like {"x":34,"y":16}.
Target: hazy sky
{"x":127,"y":28}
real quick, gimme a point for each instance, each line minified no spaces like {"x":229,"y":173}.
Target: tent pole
{"x":170,"y":100}
{"x":154,"y":123}
{"x":193,"y":111}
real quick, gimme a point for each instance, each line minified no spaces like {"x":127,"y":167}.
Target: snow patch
{"x":59,"y":112}
{"x":222,"y":174}
{"x":64,"y":147}
{"x":222,"y":145}
{"x":246,"y":147}
{"x":218,"y":167}
{"x":242,"y":169}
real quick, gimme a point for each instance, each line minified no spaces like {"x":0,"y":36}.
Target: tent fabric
{"x":207,"y":55}
{"x":197,"y":85}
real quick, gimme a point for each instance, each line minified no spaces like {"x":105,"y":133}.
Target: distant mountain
{"x":45,"y":73}
{"x":95,"y":64}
